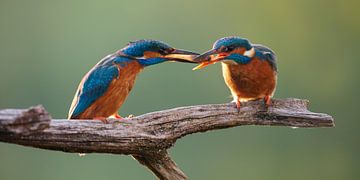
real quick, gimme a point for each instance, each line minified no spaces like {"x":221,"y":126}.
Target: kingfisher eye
{"x":163,"y":51}
{"x":170,"y":50}
{"x":229,"y":48}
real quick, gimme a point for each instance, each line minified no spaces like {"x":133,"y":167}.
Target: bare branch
{"x":161,"y":164}
{"x":20,"y":121}
{"x":147,"y":137}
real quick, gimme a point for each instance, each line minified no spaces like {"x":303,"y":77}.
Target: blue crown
{"x":232,"y":41}
{"x":137,"y":48}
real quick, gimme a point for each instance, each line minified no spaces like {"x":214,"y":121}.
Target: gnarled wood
{"x":147,"y":137}
{"x":161,"y":164}
{"x":20,"y":121}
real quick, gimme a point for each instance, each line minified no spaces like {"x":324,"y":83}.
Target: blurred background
{"x":47,"y":46}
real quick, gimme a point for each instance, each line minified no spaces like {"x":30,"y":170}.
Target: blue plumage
{"x":229,"y":45}
{"x":232,"y":41}
{"x":97,"y":82}
{"x":264,"y":53}
{"x":249,"y":71}
{"x":151,"y":61}
{"x":137,"y":49}
{"x":241,"y":59}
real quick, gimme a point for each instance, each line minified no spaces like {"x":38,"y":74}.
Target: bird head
{"x":149,"y":52}
{"x":223,"y":48}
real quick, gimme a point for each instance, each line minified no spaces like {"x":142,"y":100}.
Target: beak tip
{"x":195,"y":68}
{"x":202,"y":65}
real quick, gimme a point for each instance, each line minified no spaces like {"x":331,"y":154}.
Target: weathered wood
{"x":147,"y":137}
{"x":20,"y":121}
{"x":161,"y":164}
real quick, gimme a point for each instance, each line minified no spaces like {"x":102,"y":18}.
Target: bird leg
{"x":102,"y":119}
{"x":117,"y":116}
{"x":238,"y":104}
{"x":267,"y":100}
{"x":106,"y":121}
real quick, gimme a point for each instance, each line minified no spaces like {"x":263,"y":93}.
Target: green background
{"x":47,"y":46}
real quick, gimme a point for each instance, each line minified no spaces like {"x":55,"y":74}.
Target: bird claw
{"x":117,"y":116}
{"x":105,"y":120}
{"x":267,"y":101}
{"x":238,"y":105}
{"x":102,"y":119}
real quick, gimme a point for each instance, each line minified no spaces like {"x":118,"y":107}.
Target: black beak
{"x":207,"y":56}
{"x":182,"y":56}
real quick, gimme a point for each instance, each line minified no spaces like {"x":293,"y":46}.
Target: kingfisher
{"x":105,"y":87}
{"x":249,"y":70}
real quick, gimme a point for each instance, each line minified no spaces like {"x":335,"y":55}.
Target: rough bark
{"x":147,"y":137}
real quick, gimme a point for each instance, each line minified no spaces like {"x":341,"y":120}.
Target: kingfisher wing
{"x":265,"y":53}
{"x":93,"y":86}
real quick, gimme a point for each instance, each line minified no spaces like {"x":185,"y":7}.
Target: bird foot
{"x":102,"y":119}
{"x":267,"y":100}
{"x":117,"y":116}
{"x":238,"y":105}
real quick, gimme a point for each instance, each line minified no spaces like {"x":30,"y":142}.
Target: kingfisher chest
{"x":250,"y":80}
{"x":127,"y":73}
{"x":255,"y":69}
{"x":120,"y":87}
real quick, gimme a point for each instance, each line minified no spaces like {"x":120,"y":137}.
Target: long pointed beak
{"x":182,"y":56}
{"x":204,"y":64}
{"x":208,"y":58}
{"x":205,"y":56}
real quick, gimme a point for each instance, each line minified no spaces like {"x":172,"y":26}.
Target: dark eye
{"x":230,"y":48}
{"x":163,"y":51}
{"x":227,"y":49}
{"x":170,"y":50}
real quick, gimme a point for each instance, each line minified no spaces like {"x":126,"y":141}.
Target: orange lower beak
{"x":212,"y":60}
{"x":204,"y":64}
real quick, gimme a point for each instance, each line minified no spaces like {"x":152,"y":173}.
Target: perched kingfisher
{"x":105,"y":87}
{"x":249,"y":70}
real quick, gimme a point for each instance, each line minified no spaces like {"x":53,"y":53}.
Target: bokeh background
{"x":47,"y":46}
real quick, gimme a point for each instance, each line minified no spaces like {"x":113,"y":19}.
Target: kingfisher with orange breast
{"x":105,"y":87}
{"x":249,"y":70}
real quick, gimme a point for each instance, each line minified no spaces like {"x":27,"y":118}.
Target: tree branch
{"x":161,"y":164}
{"x":147,"y":137}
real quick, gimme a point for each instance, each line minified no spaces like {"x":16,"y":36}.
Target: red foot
{"x":267,"y":100}
{"x":102,"y":119}
{"x":238,"y":104}
{"x":117,"y":116}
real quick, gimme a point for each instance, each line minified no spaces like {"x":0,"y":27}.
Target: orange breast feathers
{"x":108,"y":104}
{"x":253,"y":80}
